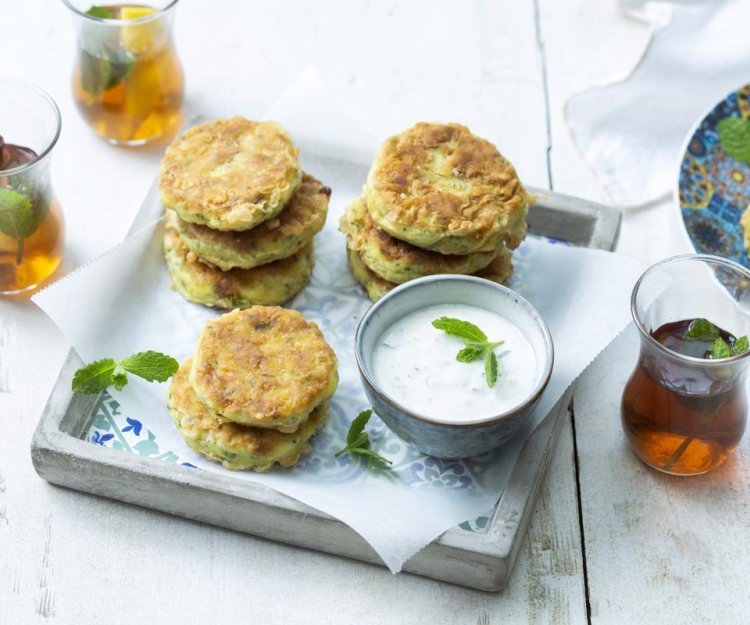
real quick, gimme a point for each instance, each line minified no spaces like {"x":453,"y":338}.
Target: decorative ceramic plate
{"x":714,"y":188}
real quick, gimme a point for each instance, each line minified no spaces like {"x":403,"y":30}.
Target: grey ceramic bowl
{"x":434,"y":437}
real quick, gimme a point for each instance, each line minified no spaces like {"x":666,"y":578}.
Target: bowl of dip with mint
{"x":453,"y":364}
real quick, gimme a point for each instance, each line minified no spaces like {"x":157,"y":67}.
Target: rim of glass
{"x":58,"y":122}
{"x":705,"y":258}
{"x":119,"y":21}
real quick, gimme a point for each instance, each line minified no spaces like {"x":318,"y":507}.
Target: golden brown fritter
{"x":236,"y":446}
{"x":373,"y":284}
{"x":300,"y":220}
{"x":199,"y":282}
{"x":398,"y":261}
{"x":265,"y":366}
{"x":441,"y":188}
{"x":499,"y":270}
{"x":230,"y":174}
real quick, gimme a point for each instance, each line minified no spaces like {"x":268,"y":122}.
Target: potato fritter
{"x":398,"y":261}
{"x":300,"y":220}
{"x":202,"y":283}
{"x":230,"y":174}
{"x":265,"y":366}
{"x":499,"y":270}
{"x":237,"y":447}
{"x":441,"y":188}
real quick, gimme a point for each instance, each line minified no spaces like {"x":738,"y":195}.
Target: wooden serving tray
{"x":477,"y":559}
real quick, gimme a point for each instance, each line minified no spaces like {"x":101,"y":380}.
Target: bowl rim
{"x":418,"y":283}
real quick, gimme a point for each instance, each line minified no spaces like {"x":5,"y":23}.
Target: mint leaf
{"x":100,"y":12}
{"x":720,"y":349}
{"x":741,"y":345}
{"x":357,"y":441}
{"x":462,"y":329}
{"x":16,"y":217}
{"x":370,"y":454}
{"x":151,"y":366}
{"x":701,"y":330}
{"x":490,"y":367}
{"x":472,"y":352}
{"x":104,"y":72}
{"x":734,"y":135}
{"x":477,"y":345}
{"x":357,"y":428}
{"x":95,"y":377}
{"x":119,"y":377}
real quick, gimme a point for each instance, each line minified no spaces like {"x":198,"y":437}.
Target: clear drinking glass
{"x":127,"y":81}
{"x":681,"y":412}
{"x":31,"y":226}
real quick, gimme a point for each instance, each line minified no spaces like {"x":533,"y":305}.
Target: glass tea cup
{"x":684,"y":408}
{"x":31,"y":226}
{"x":127,"y":81}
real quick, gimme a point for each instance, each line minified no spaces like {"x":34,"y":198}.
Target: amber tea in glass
{"x":127,"y":80}
{"x":31,"y":227}
{"x":684,"y":408}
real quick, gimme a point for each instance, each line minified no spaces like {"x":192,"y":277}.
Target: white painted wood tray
{"x":478,"y":559}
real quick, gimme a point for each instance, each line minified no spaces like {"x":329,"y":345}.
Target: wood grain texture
{"x":659,"y":548}
{"x":590,"y":44}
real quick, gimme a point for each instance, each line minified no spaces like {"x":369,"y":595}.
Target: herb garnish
{"x":357,"y":440}
{"x":734,"y":136}
{"x":100,"y":12}
{"x":96,"y":376}
{"x":16,"y":218}
{"x":704,"y":330}
{"x":477,"y":345}
{"x":106,"y":67}
{"x":100,"y":73}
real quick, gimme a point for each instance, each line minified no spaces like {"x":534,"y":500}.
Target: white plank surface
{"x":72,"y":558}
{"x":659,"y":548}
{"x":590,"y":44}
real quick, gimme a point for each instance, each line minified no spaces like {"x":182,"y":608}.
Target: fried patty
{"x":265,"y":366}
{"x":439,"y":187}
{"x":230,"y":174}
{"x":202,"y":283}
{"x":300,"y":220}
{"x":398,"y":261}
{"x":237,"y":447}
{"x":499,"y":270}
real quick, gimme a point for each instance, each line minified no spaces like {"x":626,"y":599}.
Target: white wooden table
{"x":610,"y":542}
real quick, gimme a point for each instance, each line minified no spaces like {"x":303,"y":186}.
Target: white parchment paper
{"x":122,"y":302}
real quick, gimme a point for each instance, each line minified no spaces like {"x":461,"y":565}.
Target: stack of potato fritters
{"x":437,"y":200}
{"x":243,"y":214}
{"x":256,"y":388}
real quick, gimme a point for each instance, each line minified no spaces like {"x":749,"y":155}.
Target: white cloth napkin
{"x":633,"y":132}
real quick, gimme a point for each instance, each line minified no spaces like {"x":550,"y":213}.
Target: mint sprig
{"x":357,"y":440}
{"x":701,"y":330}
{"x":16,"y":218}
{"x":477,"y":345}
{"x":152,"y":366}
{"x":704,"y":330}
{"x":734,"y":136}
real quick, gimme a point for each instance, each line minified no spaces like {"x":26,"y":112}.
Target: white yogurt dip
{"x":415,"y":364}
